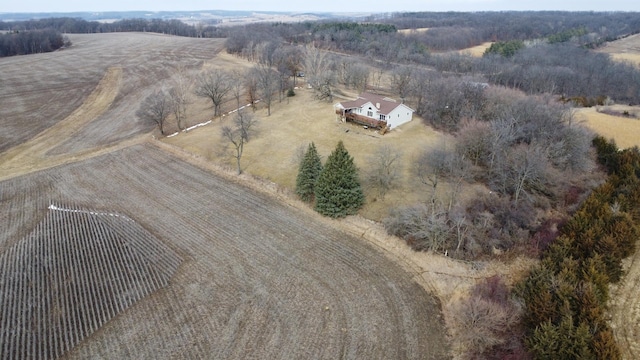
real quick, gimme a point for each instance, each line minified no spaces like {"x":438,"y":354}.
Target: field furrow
{"x":56,"y":289}
{"x":258,"y":278}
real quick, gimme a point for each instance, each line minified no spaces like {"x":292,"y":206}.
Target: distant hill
{"x":216,"y":16}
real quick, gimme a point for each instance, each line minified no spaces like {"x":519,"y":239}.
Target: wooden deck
{"x":362,"y":120}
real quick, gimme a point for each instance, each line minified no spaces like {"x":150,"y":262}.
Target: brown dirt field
{"x":33,"y":153}
{"x":627,"y":49}
{"x":260,"y":279}
{"x":43,"y":89}
{"x":625,"y":131}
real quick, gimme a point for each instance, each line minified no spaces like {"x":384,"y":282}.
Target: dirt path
{"x":32,"y":155}
{"x":625,"y":310}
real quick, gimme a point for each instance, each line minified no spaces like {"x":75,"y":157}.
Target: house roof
{"x":383,"y":104}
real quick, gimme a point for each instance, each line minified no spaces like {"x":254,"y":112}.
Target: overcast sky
{"x":316,"y":5}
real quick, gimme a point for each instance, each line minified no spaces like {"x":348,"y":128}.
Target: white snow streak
{"x":58,"y":208}
{"x":209,"y":122}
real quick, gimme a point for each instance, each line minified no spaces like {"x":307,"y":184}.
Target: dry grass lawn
{"x":273,"y":154}
{"x":627,"y":49}
{"x":476,"y":51}
{"x":625,"y":131}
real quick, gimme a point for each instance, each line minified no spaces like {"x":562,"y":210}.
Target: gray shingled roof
{"x":386,"y":104}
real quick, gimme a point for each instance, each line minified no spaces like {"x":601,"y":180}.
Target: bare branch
{"x":215,"y":85}
{"x":239,"y":134}
{"x":156,"y":108}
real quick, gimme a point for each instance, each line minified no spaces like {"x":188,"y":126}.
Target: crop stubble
{"x":259,"y":279}
{"x":41,"y":90}
{"x":72,"y":274}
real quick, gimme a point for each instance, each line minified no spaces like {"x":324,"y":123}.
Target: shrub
{"x":423,"y":227}
{"x":486,"y":324}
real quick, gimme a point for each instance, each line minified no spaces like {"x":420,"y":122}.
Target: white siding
{"x":369,"y":107}
{"x":398,"y":116}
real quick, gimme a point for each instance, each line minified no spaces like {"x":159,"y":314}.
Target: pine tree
{"x":338,"y":190}
{"x":308,"y":174}
{"x":604,"y":345}
{"x":545,"y":341}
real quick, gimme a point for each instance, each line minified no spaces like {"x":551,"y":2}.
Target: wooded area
{"x":31,"y":42}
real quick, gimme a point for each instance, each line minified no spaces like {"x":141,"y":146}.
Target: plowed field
{"x":259,"y":279}
{"x":39,"y":91}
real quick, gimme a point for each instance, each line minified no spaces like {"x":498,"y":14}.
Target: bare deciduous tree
{"x":214,"y":84}
{"x":318,"y":72}
{"x":156,"y":108}
{"x":180,"y":96}
{"x":267,"y":81}
{"x":357,"y":76}
{"x":484,"y":322}
{"x":524,"y":170}
{"x":316,"y":63}
{"x":239,"y":134}
{"x":440,"y":163}
{"x":401,"y":78}
{"x":287,"y":61}
{"x":383,"y":167}
{"x":237,"y":85}
{"x":420,"y":82}
{"x":251,"y":86}
{"x":424,"y":227}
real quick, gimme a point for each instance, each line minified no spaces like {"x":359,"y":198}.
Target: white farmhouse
{"x":375,"y":111}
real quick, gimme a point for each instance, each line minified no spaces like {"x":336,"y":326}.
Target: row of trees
{"x":379,"y":33}
{"x":31,"y":42}
{"x":216,"y":85}
{"x":335,"y":187}
{"x":80,"y":26}
{"x":565,"y":296}
{"x":516,"y":25}
{"x":562,"y":69}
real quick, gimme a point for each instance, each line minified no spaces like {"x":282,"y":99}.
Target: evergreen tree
{"x":308,"y":173}
{"x":604,"y":345}
{"x":338,"y":190}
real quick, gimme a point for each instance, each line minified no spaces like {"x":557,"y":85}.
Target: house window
{"x":383,"y":117}
{"x":370,"y":113}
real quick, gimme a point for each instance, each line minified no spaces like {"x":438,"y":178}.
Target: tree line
{"x":516,"y":25}
{"x":80,"y":26}
{"x":556,"y":62}
{"x":565,"y":296}
{"x":31,"y":42}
